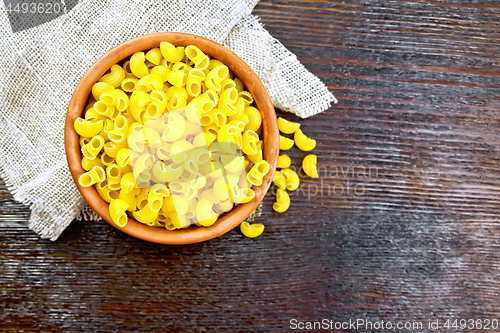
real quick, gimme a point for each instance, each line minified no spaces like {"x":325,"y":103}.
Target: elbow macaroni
{"x":161,"y":139}
{"x":284,"y":162}
{"x":138,"y":64}
{"x":286,"y":126}
{"x":87,"y":128}
{"x":282,"y":201}
{"x":285,"y":143}
{"x":251,"y":230}
{"x":118,"y":211}
{"x":309,"y":166}
{"x":303,"y":142}
{"x":115,"y":77}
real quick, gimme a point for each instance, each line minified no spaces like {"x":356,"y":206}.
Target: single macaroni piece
{"x":179,"y":151}
{"x":161,"y":71}
{"x":251,"y":230}
{"x":88,"y":128}
{"x":257,"y":157}
{"x":139,"y":100}
{"x":150,"y":82}
{"x":115,"y":77}
{"x":254,"y":119}
{"x":284,"y":162}
{"x":145,"y":215}
{"x":176,"y":103}
{"x":118,"y":212}
{"x":261,"y":168}
{"x":130,"y":198}
{"x":175,"y":91}
{"x":138,"y":65}
{"x":227,"y":84}
{"x":204,"y":213}
{"x":226,"y":104}
{"x":241,"y":104}
{"x":156,"y":195}
{"x":239,"y":85}
{"x":303,"y":142}
{"x":309,"y":166}
{"x":93,"y":148}
{"x":246,"y":97}
{"x":100,"y":87}
{"x":250,"y":139}
{"x":154,"y":56}
{"x":120,"y":129}
{"x":106,"y":110}
{"x":286,"y":126}
{"x":214,"y":63}
{"x":282,"y":201}
{"x":128,"y":71}
{"x":177,"y":78}
{"x":88,"y":164}
{"x":113,"y":175}
{"x":203,"y":64}
{"x":254,"y":178}
{"x":285,"y":143}
{"x":95,"y":175}
{"x":194,"y":54}
{"x":193,"y":86}
{"x":292,"y":179}
{"x":171,"y":53}
{"x":129,"y":84}
{"x":127,"y":182}
{"x":219,"y":73}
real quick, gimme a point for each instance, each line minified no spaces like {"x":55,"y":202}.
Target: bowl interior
{"x":270,"y":136}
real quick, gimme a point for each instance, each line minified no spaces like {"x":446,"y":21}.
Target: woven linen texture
{"x":41,"y":66}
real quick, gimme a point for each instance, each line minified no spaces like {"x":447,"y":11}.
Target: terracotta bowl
{"x":270,"y":136}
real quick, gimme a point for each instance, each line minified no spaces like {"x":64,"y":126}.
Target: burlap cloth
{"x":41,"y":66}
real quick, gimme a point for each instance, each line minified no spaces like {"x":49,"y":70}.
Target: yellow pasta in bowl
{"x":162,"y":138}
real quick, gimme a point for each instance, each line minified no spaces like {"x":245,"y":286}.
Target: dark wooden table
{"x":402,"y":226}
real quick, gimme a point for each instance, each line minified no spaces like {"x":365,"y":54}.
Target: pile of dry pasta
{"x":171,"y":137}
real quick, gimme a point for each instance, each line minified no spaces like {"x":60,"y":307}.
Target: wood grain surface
{"x":403,"y":224}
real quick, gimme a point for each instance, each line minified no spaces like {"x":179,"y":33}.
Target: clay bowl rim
{"x":270,"y":136}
